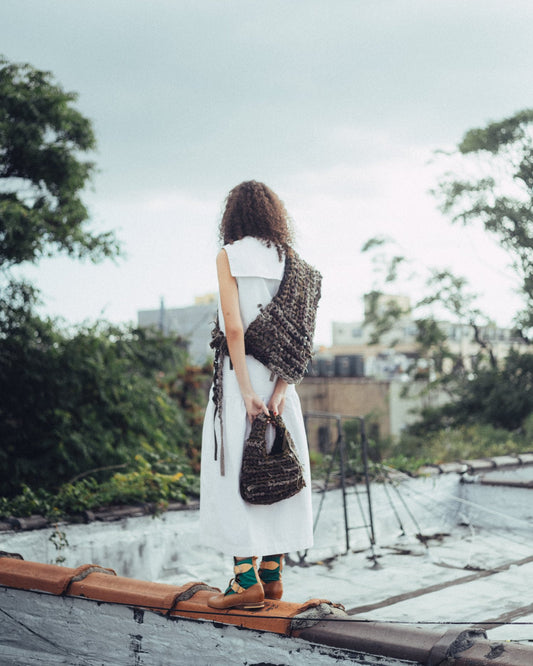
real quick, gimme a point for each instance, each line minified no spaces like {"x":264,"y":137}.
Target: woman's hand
{"x":254,"y":406}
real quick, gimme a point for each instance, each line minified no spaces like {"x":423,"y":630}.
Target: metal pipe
{"x":364,"y":447}
{"x":340,"y":450}
{"x":340,"y":440}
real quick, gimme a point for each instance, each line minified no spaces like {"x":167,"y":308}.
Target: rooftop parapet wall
{"x":50,"y":617}
{"x":478,"y":468}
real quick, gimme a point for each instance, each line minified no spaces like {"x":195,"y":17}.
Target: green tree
{"x":43,"y":143}
{"x":91,"y":397}
{"x":73,"y":402}
{"x":491,"y":183}
{"x":501,"y":397}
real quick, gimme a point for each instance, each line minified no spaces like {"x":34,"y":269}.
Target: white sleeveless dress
{"x":227,"y":522}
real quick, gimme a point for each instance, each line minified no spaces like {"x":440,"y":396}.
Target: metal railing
{"x":339,"y":454}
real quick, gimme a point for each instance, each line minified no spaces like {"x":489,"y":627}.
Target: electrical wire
{"x":349,"y":619}
{"x":482,"y":508}
{"x":393,"y":507}
{"x":462,"y":500}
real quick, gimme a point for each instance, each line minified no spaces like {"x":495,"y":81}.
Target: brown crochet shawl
{"x":281,"y":336}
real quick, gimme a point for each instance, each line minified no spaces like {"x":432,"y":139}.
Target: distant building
{"x":388,"y":409}
{"x":398,"y":349}
{"x":356,"y":377}
{"x":193,"y":323}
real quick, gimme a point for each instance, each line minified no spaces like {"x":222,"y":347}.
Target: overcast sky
{"x":338,"y":105}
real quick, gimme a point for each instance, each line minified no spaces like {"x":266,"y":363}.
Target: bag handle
{"x":281,"y":442}
{"x":259,"y":427}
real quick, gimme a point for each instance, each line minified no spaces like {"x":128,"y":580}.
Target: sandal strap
{"x":270,"y":564}
{"x":243,"y":567}
{"x":238,"y":589}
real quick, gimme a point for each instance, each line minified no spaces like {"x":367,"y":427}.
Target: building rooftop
{"x":449,"y":574}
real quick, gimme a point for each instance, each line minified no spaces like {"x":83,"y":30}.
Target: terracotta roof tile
{"x":188,"y":600}
{"x":276,"y":616}
{"x":129,"y":591}
{"x":44,"y":577}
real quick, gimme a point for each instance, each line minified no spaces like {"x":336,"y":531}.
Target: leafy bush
{"x":412,"y":451}
{"x":498,"y":396}
{"x":93,"y":398}
{"x":405,"y":464}
{"x":462,"y":443}
{"x":142,"y":483}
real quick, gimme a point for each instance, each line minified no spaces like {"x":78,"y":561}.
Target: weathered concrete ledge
{"x":89,"y":615}
{"x":107,"y":514}
{"x":479,"y":465}
{"x":115,"y":513}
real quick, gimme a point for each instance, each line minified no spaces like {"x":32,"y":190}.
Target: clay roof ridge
{"x":317,"y":620}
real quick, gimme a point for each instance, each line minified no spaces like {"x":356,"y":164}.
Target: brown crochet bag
{"x":269,"y":477}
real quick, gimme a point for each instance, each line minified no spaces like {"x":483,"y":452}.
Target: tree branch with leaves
{"x":44,"y":141}
{"x":490,"y":183}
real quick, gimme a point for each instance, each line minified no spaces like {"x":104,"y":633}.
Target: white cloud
{"x":336,"y":105}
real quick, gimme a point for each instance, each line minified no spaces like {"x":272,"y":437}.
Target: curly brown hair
{"x":253,"y":209}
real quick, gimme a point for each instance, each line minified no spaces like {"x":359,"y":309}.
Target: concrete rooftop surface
{"x":315,"y":622}
{"x":447,"y":581}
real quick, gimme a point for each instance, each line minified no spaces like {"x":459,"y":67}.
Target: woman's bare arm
{"x":229,"y":300}
{"x":277,"y":401}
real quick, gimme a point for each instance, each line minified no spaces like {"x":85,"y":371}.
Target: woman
{"x":255,"y":257}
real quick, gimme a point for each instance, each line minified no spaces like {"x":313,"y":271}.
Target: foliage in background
{"x":461,"y":443}
{"x":43,"y":169}
{"x":491,"y":184}
{"x":498,"y":396}
{"x":412,"y":451}
{"x":76,"y":404}
{"x":188,"y":388}
{"x":146,"y":479}
{"x":87,"y":399}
